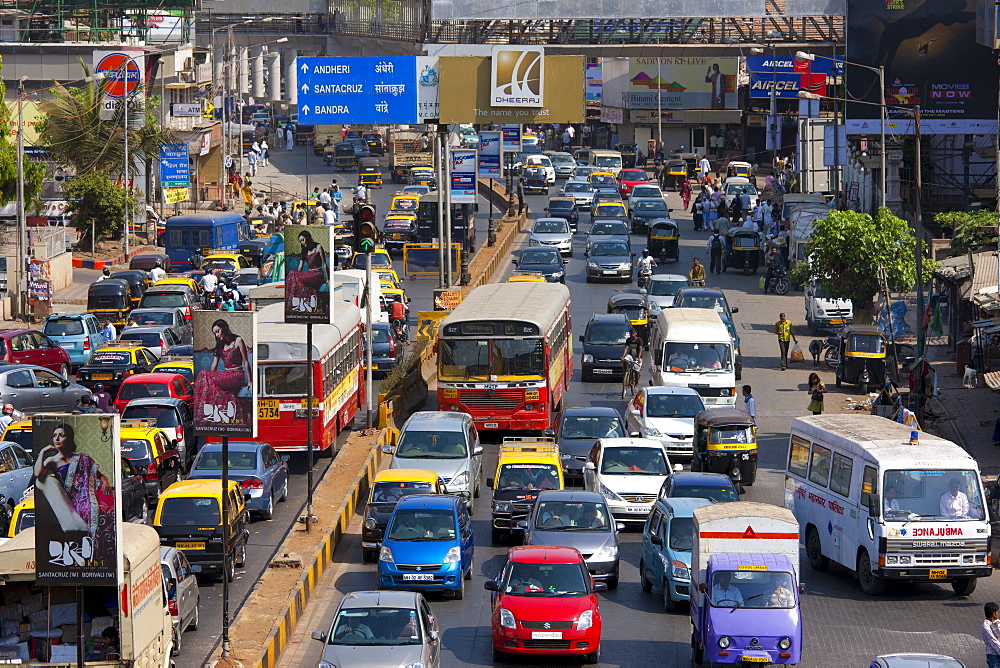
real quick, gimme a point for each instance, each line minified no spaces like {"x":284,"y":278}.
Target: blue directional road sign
{"x":175,"y":170}
{"x":357,"y":90}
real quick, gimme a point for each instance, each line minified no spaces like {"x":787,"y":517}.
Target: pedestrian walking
{"x":749,"y":403}
{"x":109,"y":332}
{"x":697,"y":213}
{"x":265,"y":153}
{"x":329,"y":216}
{"x":252,"y":161}
{"x":289,"y":138}
{"x":736,"y":210}
{"x":714,"y":249}
{"x":783,"y":328}
{"x":103,"y":399}
{"x":335,"y":198}
{"x":696,"y":275}
{"x":704,"y":167}
{"x":816,"y":391}
{"x":686,"y":192}
{"x":990,"y":633}
{"x":323,"y":197}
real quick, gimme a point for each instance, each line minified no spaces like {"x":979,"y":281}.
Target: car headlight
{"x":585,"y":621}
{"x":415,"y":664}
{"x":558,"y":273}
{"x":606,"y":552}
{"x":591,"y":263}
{"x":460,"y":480}
{"x":784,"y":643}
{"x":502,"y":506}
{"x":385,"y":554}
{"x":454,"y":556}
{"x":651,"y":431}
{"x":371,"y":524}
{"x":625,"y":265}
{"x":680,"y":571}
{"x":507,"y":619}
{"x":326,"y":664}
{"x":534,"y":242}
{"x":724,"y":642}
{"x":588,"y":359}
{"x":607,"y":493}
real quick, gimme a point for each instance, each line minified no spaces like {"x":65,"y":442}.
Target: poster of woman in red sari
{"x":224,"y":385}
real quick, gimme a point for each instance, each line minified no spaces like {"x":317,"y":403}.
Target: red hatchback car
{"x":544,"y":603}
{"x":154,"y":385}
{"x":29,"y":346}
{"x":630,"y":178}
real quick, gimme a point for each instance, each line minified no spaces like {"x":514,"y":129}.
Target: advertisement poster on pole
{"x":490,"y":158}
{"x":307,"y":274}
{"x":511,"y":137}
{"x":78,"y":516}
{"x":225,"y":369}
{"x":464,"y":165}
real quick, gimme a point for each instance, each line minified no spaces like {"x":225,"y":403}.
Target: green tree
{"x":76,"y":134}
{"x":34,"y":172}
{"x":966,"y":232}
{"x":846,"y":250}
{"x":97,"y":203}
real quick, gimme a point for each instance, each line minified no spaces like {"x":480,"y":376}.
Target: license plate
{"x":397,"y":236}
{"x":268,"y":409}
{"x":609,"y":272}
{"x":101,"y":376}
{"x":421,"y":577}
{"x":755,"y":659}
{"x":546,"y":635}
{"x":634,"y":509}
{"x":531,"y":395}
{"x":491,"y":425}
{"x":189,"y":545}
{"x":608,"y":371}
{"x":939,"y":574}
{"x":837,"y":322}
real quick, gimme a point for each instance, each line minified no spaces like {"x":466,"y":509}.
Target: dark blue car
{"x":261,"y":473}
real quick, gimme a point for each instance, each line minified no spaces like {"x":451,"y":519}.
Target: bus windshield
{"x":467,"y":359}
{"x":926,"y":494}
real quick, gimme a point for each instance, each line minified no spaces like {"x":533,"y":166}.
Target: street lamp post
{"x":22,"y":223}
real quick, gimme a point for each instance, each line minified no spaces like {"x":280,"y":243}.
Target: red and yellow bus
{"x":338,"y":380}
{"x":505,"y":355}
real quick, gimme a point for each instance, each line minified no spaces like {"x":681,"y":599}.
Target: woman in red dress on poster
{"x":216,"y":389}
{"x":303,"y":283}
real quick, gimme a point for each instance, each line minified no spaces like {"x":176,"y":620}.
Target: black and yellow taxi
{"x":183,"y":367}
{"x":226,"y":263}
{"x":153,"y":453}
{"x":114,"y":363}
{"x":19,"y":431}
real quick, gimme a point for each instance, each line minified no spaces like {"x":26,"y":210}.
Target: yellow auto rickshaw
{"x":344,"y":158}
{"x":725,"y":441}
{"x":858,"y":355}
{"x":369,"y":172}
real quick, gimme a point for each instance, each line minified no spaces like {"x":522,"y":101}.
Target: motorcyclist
{"x":645,"y":264}
{"x":397,"y":317}
{"x":360,"y":193}
{"x":774,"y":264}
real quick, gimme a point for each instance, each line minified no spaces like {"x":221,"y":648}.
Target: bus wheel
{"x":964,"y":586}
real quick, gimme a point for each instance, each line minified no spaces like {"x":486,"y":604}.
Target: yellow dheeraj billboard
{"x":563,"y":92}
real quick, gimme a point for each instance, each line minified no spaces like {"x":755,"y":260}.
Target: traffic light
{"x":364,"y":218}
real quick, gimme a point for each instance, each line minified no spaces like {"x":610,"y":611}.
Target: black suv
{"x":603,"y":345}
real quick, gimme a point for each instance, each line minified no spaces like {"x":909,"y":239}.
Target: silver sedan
{"x":553,"y":233}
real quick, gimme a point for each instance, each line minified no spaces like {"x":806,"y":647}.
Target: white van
{"x":867,"y":499}
{"x":801,"y":221}
{"x":543,"y":161}
{"x":606,"y":161}
{"x":826,"y":312}
{"x":692,"y":348}
{"x":351,"y":288}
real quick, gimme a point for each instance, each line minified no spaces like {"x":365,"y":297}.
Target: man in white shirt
{"x":324,"y":197}
{"x":704,"y":167}
{"x":889,"y":501}
{"x":725,"y":594}
{"x":954,"y":503}
{"x":750,"y":224}
{"x":329,"y":215}
{"x":156,"y":273}
{"x":209,"y":282}
{"x":360,"y":192}
{"x":749,"y":403}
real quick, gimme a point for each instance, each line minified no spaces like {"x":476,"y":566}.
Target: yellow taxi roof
{"x":18,"y":424}
{"x":220,"y":256}
{"x":529,"y":458}
{"x":400,"y":196}
{"x":406,"y":475}
{"x":407,"y":216}
{"x":184,"y":364}
{"x":608,"y":205}
{"x":393,"y":291}
{"x":200,"y":487}
{"x":593,"y":174}
{"x":145,"y":433}
{"x":561,"y":199}
{"x":526,"y":278}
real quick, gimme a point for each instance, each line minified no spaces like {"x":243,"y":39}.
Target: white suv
{"x":666,"y":415}
{"x":628,"y":473}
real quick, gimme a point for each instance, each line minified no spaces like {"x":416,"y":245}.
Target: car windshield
{"x":663,"y":288}
{"x":681,"y":534}
{"x":734,"y":435}
{"x":422,"y":525}
{"x":152,"y":318}
{"x":250,"y":278}
{"x":631,"y":311}
{"x":625,"y":460}
{"x":164,"y":300}
{"x":655,"y":205}
{"x":561,"y":159}
{"x":713,"y":302}
{"x":591,"y":426}
{"x":465,"y":359}
{"x":164,"y":415}
{"x":545,"y":257}
{"x":108,"y":358}
{"x":609,"y":161}
{"x":646,"y":191}
{"x":673,"y":405}
{"x":220,"y":264}
{"x":546,"y":579}
{"x":378,"y":260}
{"x":376,"y":626}
{"x":602,"y":179}
{"x":136,"y":449}
{"x":149,"y":339}
{"x":572,"y":516}
{"x":392,"y":492}
{"x":609,"y":229}
{"x":432,"y":445}
{"x":528,"y":476}
{"x":696,"y":357}
{"x":182,"y":370}
{"x":609,"y":250}
{"x":931,"y":494}
{"x":25,"y":520}
{"x":752,"y":588}
{"x":633,"y":175}
{"x":715,"y":493}
{"x":578,"y":187}
{"x":551,"y":227}
{"x":380,"y":335}
{"x":131,"y":391}
{"x":865,"y":343}
{"x":607,"y":335}
{"x":189,"y":511}
{"x":63,"y":327}
{"x":560,"y":204}
{"x":211,"y":460}
{"x":22,"y":437}
{"x":610,"y":210}
{"x":740,"y":188}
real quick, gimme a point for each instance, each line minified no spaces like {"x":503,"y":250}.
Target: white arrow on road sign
{"x":305,"y":110}
{"x":305,"y":88}
{"x":305,"y":68}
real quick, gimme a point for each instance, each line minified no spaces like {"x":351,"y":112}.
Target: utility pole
{"x":918,"y":228}
{"x":439,"y":176}
{"x":883,"y":119}
{"x":22,"y":224}
{"x":125,"y":184}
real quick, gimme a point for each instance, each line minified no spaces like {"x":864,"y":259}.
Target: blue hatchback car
{"x":427,"y":545}
{"x":79,"y":334}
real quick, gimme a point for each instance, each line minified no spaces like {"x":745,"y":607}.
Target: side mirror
{"x":619,"y":526}
{"x":600,"y":586}
{"x":477,"y":450}
{"x":702,"y":588}
{"x":736,"y":309}
{"x":656,"y":540}
{"x":491,"y":585}
{"x":634,"y":434}
{"x":636,"y":412}
{"x":642,"y":291}
{"x":433,"y":633}
{"x":514,"y":262}
{"x":64,"y":383}
{"x":549,"y":432}
{"x":581,"y":339}
{"x":678,"y":467}
{"x":386,"y":449}
{"x":174,"y":442}
{"x":589,"y":466}
{"x":319,"y":635}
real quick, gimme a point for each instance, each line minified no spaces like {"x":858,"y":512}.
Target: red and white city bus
{"x":505,"y":355}
{"x":338,"y":379}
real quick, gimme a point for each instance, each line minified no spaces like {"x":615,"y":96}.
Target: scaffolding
{"x":95,"y":21}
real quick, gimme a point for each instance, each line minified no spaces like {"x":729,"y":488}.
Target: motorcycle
{"x":778,"y":283}
{"x":642,"y":280}
{"x":399,"y":331}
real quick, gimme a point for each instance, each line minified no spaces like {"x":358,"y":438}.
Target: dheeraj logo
{"x":517,"y":76}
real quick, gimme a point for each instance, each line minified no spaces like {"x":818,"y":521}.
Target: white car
{"x":628,"y":473}
{"x":582,"y":173}
{"x":643,"y":192}
{"x":543,"y":162}
{"x":581,"y":191}
{"x":552,"y":233}
{"x":666,"y":415}
{"x":563,"y":163}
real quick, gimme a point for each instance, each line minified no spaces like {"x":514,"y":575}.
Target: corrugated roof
{"x":985,"y":274}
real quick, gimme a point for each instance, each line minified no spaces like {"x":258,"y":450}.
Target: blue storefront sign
{"x":489,"y":155}
{"x":778,"y":72}
{"x":357,"y":90}
{"x":464,"y":165}
{"x":175,"y":170}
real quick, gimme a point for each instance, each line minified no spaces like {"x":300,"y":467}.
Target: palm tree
{"x":76,"y":134}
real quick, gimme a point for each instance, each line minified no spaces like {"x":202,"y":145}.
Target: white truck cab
{"x":691,"y":347}
{"x":826,"y":312}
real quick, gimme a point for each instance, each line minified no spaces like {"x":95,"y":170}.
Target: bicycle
{"x":630,"y":379}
